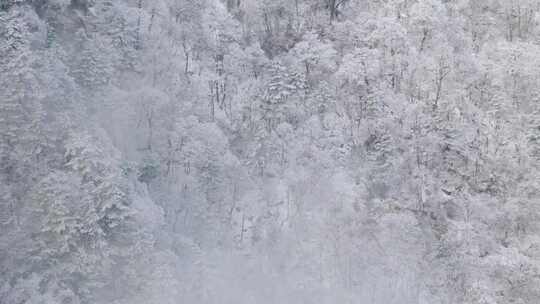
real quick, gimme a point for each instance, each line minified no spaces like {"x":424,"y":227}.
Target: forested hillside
{"x":269,"y":151}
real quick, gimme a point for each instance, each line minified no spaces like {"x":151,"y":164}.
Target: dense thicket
{"x":269,"y":151}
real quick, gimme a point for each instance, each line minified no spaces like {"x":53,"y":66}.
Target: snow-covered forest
{"x":269,"y":151}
